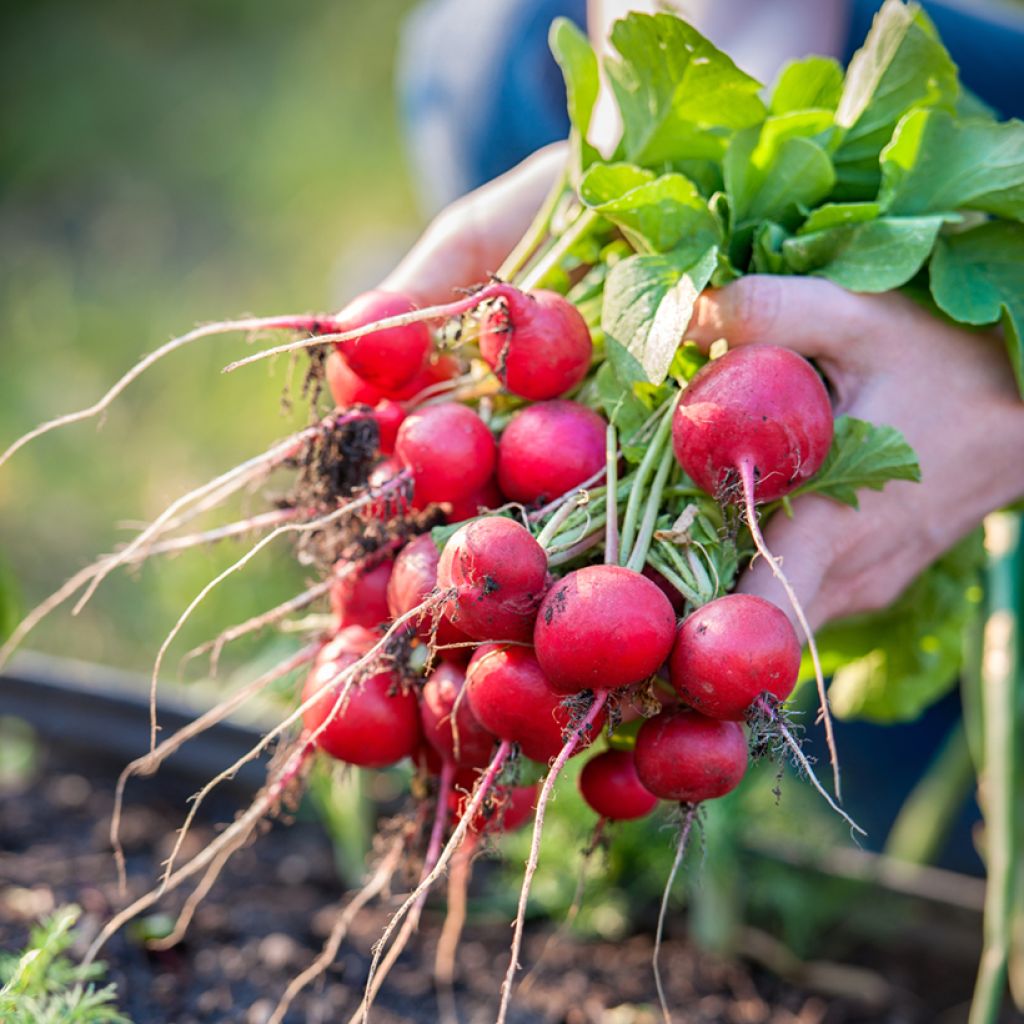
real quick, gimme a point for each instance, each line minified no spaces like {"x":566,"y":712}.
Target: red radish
{"x":395,"y":501}
{"x":751,"y":427}
{"x":360,"y":598}
{"x":346,"y":386}
{"x":486,"y":498}
{"x":506,"y":809}
{"x":731,"y":651}
{"x":412,"y":580}
{"x":448,"y":450}
{"x":511,"y":698}
{"x":465,"y":742}
{"x":537,"y":343}
{"x":602,"y":627}
{"x":762,"y":405}
{"x":611,"y":787}
{"x":498,"y":573}
{"x":389,"y":416}
{"x":549,"y":448}
{"x":389,"y":358}
{"x":379,"y":723}
{"x":685,"y":756}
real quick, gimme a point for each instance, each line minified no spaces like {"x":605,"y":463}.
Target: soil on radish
{"x":268,"y":914}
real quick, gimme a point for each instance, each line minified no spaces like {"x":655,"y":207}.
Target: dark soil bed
{"x":270,"y":911}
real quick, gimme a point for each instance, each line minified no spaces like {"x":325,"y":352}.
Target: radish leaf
{"x":862,"y":455}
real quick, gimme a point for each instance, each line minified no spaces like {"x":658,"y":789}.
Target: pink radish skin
{"x":474,"y":745}
{"x":603,"y":627}
{"x":379,"y":724}
{"x":448,"y":450}
{"x":488,"y":497}
{"x":498,"y":573}
{"x":685,"y":756}
{"x":389,"y":358}
{"x":348,"y":388}
{"x":395,"y":502}
{"x":360,"y":599}
{"x":762,"y":404}
{"x":537,"y":343}
{"x":731,"y":651}
{"x":549,"y":448}
{"x":611,"y":787}
{"x":512,"y":699}
{"x":412,"y":580}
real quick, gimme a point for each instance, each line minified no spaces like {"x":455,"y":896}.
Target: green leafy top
{"x":886,"y":176}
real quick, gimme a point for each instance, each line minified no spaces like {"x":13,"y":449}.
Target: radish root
{"x":578,"y":732}
{"x":746,"y":469}
{"x":689,"y":814}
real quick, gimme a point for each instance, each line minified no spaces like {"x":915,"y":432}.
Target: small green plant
{"x":43,"y":986}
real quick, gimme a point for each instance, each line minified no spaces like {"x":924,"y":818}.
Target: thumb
{"x":810,"y":315}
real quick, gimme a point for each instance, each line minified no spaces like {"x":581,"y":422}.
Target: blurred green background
{"x":162,"y":165}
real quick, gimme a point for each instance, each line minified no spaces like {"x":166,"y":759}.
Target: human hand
{"x":950,"y":391}
{"x":470,"y":238}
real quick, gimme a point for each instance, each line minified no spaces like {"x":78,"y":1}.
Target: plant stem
{"x":643,"y":540}
{"x":535,"y":233}
{"x":651,"y":456}
{"x":611,"y":527}
{"x":540,"y":270}
{"x":1000,"y":675}
{"x":657,"y":562}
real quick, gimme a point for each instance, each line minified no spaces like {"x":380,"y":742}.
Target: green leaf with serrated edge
{"x":833,"y":215}
{"x":875,"y":256}
{"x":772,"y":169}
{"x":648,"y":301}
{"x":813,"y":82}
{"x":580,"y":69}
{"x":676,"y":91}
{"x":656,"y":213}
{"x":977,"y":277}
{"x":934,"y":163}
{"x":862,"y":455}
{"x":892,"y":665}
{"x":902,"y":65}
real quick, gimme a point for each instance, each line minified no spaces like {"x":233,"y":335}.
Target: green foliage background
{"x":162,"y":165}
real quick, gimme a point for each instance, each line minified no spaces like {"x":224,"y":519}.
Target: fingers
{"x":807,"y":314}
{"x":470,"y":239}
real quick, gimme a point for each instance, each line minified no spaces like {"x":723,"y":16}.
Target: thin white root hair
{"x":236,"y":566}
{"x":578,"y":733}
{"x":172,"y":546}
{"x":412,"y":922}
{"x":346,"y":678}
{"x":227,"y":483}
{"x":805,"y":767}
{"x":451,"y":932}
{"x":150,"y":762}
{"x":746,"y":469}
{"x":262,"y":805}
{"x":256,"y":623}
{"x":689,"y":814}
{"x":373,"y":887}
{"x":205,"y":331}
{"x":482,"y":788}
{"x":200,"y":892}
